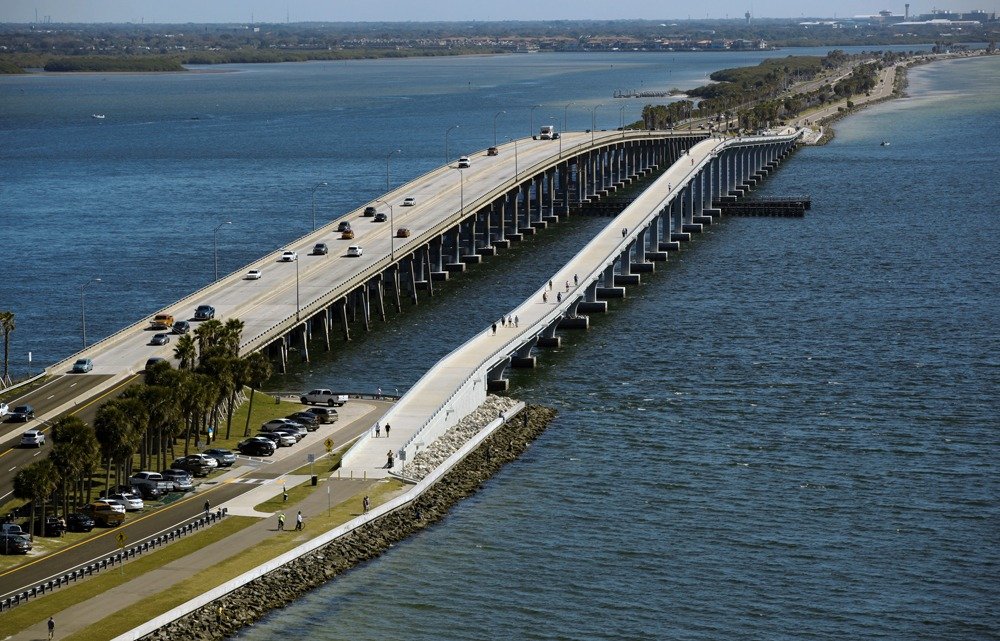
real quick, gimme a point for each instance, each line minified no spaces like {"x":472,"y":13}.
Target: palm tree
{"x":186,"y":351}
{"x":232,"y":333}
{"x":258,"y":371}
{"x":36,"y":483}
{"x":208,"y":335}
{"x":7,"y":326}
{"x":220,"y":370}
{"x":240,"y":371}
{"x":75,"y":453}
{"x":117,"y":438}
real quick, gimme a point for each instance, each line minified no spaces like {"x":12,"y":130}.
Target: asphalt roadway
{"x":356,"y":418}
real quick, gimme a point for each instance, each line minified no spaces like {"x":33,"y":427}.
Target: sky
{"x":208,"y":11}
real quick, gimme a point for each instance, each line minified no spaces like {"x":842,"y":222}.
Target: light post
{"x":447,"y":156}
{"x":515,"y":156}
{"x":566,"y":115}
{"x":495,"y":126}
{"x":593,"y":121}
{"x":313,"y":190}
{"x":387,"y":157}
{"x":531,"y":120}
{"x":83,"y":309}
{"x":621,"y":114}
{"x":215,"y":245}
{"x":297,"y":307}
{"x":392,"y":234}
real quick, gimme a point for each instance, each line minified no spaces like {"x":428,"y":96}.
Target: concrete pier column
{"x":625,"y":274}
{"x":590,"y":303}
{"x":394,"y":279}
{"x":677,"y":233}
{"x":345,"y":326}
{"x":366,"y":308}
{"x":564,"y":176}
{"x":472,"y":255}
{"x":327,"y":326}
{"x":454,"y":239}
{"x":496,"y":378}
{"x":304,"y":335}
{"x":548,"y":336}
{"x":572,"y":319}
{"x":522,"y":358}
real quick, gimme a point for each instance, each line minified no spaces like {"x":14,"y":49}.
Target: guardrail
{"x":19,"y":384}
{"x":90,"y":568}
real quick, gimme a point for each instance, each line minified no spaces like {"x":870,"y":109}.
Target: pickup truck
{"x":161,"y":321}
{"x":323,"y":397}
{"x":103,"y":515}
{"x":150,"y":480}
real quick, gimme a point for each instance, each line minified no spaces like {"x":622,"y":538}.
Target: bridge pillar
{"x":366,"y":307}
{"x":548,"y":336}
{"x":327,"y":326}
{"x":455,"y":263}
{"x":564,"y":176}
{"x":283,"y":353}
{"x":500,"y":240}
{"x":496,"y":378}
{"x":304,"y":333}
{"x":549,"y":181}
{"x":572,"y":319}
{"x":472,"y":256}
{"x":610,"y":289}
{"x":677,"y":233}
{"x":590,"y":302}
{"x":342,"y":304}
{"x":522,"y":358}
{"x":625,"y":275}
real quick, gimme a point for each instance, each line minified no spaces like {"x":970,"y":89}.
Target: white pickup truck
{"x":323,"y":397}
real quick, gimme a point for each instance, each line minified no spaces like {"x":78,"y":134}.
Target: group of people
{"x":507,"y":321}
{"x":378,"y":429}
{"x":298,"y":521}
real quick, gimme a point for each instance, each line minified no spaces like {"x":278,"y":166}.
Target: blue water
{"x":788,"y":432}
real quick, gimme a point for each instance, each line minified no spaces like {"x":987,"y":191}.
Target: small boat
{"x":885,"y":143}
{"x":98,"y":116}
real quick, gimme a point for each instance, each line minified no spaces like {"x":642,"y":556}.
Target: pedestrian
{"x":576,"y":281}
{"x":378,"y":392}
{"x":378,"y":430}
{"x":503,"y":321}
{"x":567,"y":285}
{"x":545,"y":297}
{"x":52,"y":628}
{"x":502,"y":419}
{"x":550,"y":284}
{"x":281,"y":521}
{"x":669,"y":186}
{"x":558,"y":297}
{"x":366,"y":504}
{"x":284,"y":493}
{"x":624,"y":232}
{"x":510,"y":321}
{"x":494,"y":329}
{"x":298,"y":520}
{"x":208,"y":507}
{"x":387,"y":430}
{"x":516,"y":321}
{"x":389,"y":462}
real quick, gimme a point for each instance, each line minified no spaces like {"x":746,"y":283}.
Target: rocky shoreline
{"x":246,"y":605}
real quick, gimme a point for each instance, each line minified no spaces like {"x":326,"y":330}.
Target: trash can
{"x":315,"y":480}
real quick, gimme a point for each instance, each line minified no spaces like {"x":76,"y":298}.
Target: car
{"x":320,"y":249}
{"x":4,"y":409}
{"x":289,"y":431}
{"x":161,"y":321}
{"x":181,"y":327}
{"x":369,"y":211}
{"x":347,"y":234}
{"x":146,"y":479}
{"x":463,"y":162}
{"x":104,"y":514}
{"x":225,"y":458}
{"x":22,"y":413}
{"x":380,"y":218}
{"x":77,"y":522}
{"x":116,"y":505}
{"x":492,"y":151}
{"x":197,"y":464}
{"x":280,"y":439}
{"x":255,"y":446}
{"x":289,"y":256}
{"x":402,"y":232}
{"x":344,"y":226}
{"x":300,"y":429}
{"x":204,"y":312}
{"x":83,"y":365}
{"x":354,"y":251}
{"x":159,"y":339}
{"x":33,"y":438}
{"x":11,"y":528}
{"x":14,"y":544}
{"x":309,"y":419}
{"x":325,"y":414}
{"x":49,"y":526}
{"x":253,"y":274}
{"x":276,"y":423}
{"x":409,"y":201}
{"x":132,"y":502}
{"x":153,"y":360}
{"x":323,"y":397}
{"x":181,"y":479}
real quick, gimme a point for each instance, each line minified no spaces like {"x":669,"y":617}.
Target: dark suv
{"x":22,"y":413}
{"x":256,"y":447}
{"x":204,"y":312}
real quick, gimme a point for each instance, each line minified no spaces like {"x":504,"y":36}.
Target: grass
{"x":32,"y":612}
{"x":211,"y":577}
{"x":8,"y":396}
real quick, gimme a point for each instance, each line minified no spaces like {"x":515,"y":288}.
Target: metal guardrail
{"x":17,"y":597}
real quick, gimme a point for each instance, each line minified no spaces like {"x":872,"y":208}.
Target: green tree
{"x":36,"y":483}
{"x":186,"y":351}
{"x":76,"y":454}
{"x":7,"y":326}
{"x":117,"y":438}
{"x":258,"y":371}
{"x":208,"y":335}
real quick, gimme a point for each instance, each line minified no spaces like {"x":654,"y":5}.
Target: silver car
{"x":181,"y":479}
{"x":132,"y":502}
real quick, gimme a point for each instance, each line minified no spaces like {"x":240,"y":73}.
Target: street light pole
{"x":531,"y":120}
{"x":83,"y":309}
{"x":215,"y":245}
{"x":593,"y":121}
{"x":495,"y":126}
{"x":392,"y":233}
{"x":447,"y":156}
{"x":387,"y":157}
{"x":515,"y":156}
{"x":621,"y":113}
{"x":566,"y":115}
{"x":315,"y":187}
{"x":297,"y":307}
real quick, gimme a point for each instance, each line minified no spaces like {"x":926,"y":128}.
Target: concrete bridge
{"x":681,"y":202}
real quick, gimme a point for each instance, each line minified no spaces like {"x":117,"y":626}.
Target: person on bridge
{"x":281,"y":521}
{"x":389,"y":462}
{"x":208,"y":507}
{"x":494,"y":329}
{"x":516,"y":321}
{"x":378,"y":429}
{"x":387,"y":430}
{"x":624,"y":232}
{"x":545,"y":297}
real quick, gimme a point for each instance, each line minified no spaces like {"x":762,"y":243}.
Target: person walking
{"x":558,"y":297}
{"x":389,"y":460}
{"x":545,"y":297}
{"x":52,"y":628}
{"x":208,"y":507}
{"x":576,"y":281}
{"x":516,"y":321}
{"x":550,"y":284}
{"x":281,"y":521}
{"x":624,"y":232}
{"x":510,"y":321}
{"x":387,"y":430}
{"x":494,"y":329}
{"x":366,"y":504}
{"x":378,"y":429}
{"x":567,"y":285}
{"x":503,"y":321}
{"x":298,"y":520}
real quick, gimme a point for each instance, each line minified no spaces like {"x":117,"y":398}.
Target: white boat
{"x":885,"y":143}
{"x":98,"y":116}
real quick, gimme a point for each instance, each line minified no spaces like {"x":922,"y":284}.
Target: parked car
{"x":49,"y":526}
{"x":83,"y":365}
{"x":255,"y":446}
{"x":14,"y":544}
{"x":276,"y":423}
{"x":104,"y":514}
{"x":204,"y":312}
{"x":33,"y":438}
{"x":369,"y":211}
{"x":320,"y":249}
{"x":149,"y":481}
{"x":225,"y":458}
{"x":280,"y":439}
{"x":409,"y":201}
{"x":253,"y":274}
{"x":116,"y":505}
{"x":289,"y":256}
{"x":197,"y":464}
{"x":323,"y":397}
{"x":132,"y":502}
{"x":181,"y":479}
{"x":463,"y":162}
{"x":402,"y":232}
{"x":181,"y":327}
{"x":347,"y":234}
{"x":299,"y":430}
{"x":325,"y":414}
{"x":309,"y":419}
{"x":289,"y":431}
{"x":380,"y":218}
{"x":354,"y":251}
{"x":22,"y":413}
{"x":11,"y":528}
{"x":344,"y":226}
{"x":78,"y":522}
{"x":158,"y":339}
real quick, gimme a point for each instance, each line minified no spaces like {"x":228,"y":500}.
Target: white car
{"x":354,"y":251}
{"x":253,"y":274}
{"x":463,"y":162}
{"x":289,"y":256}
{"x":4,"y":409}
{"x":117,"y":506}
{"x":131,"y":502}
{"x":409,"y":201}
{"x":33,"y":438}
